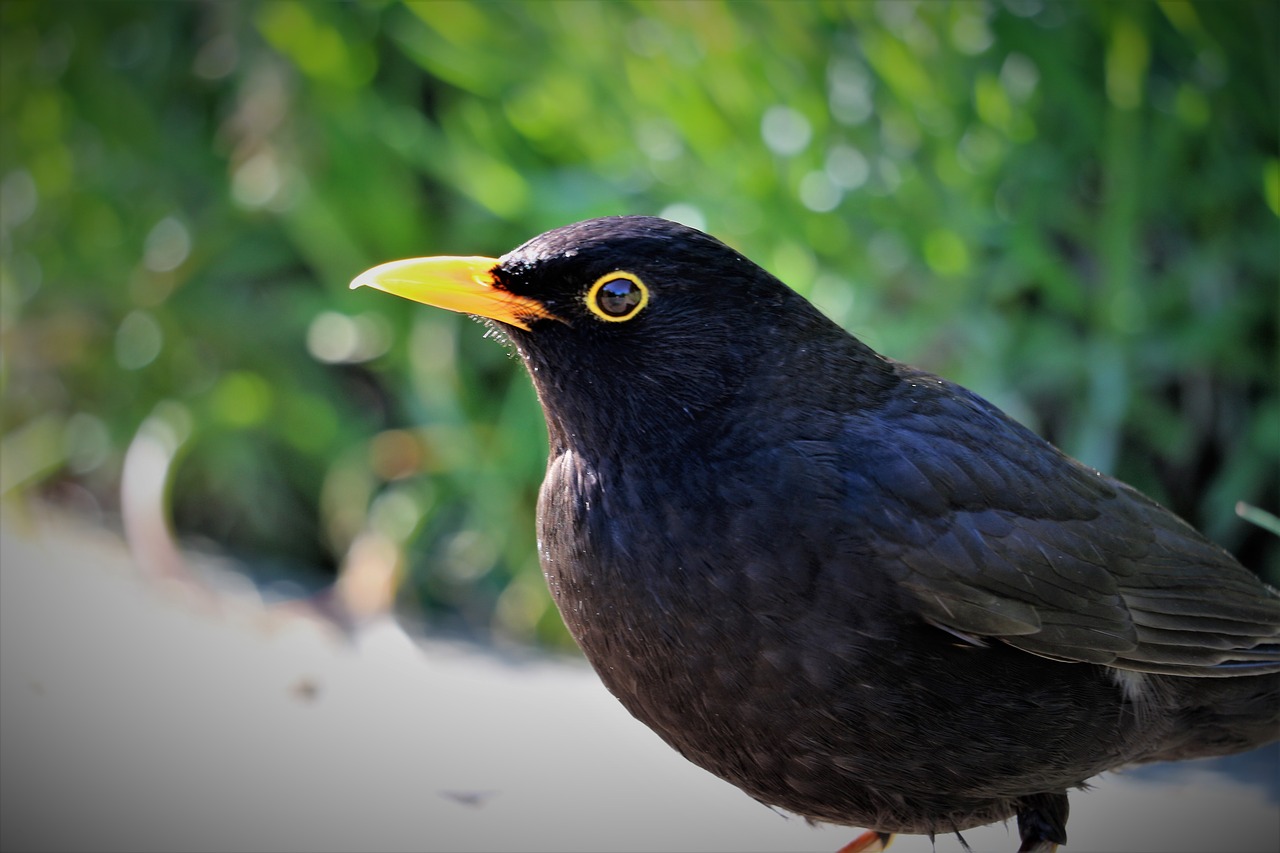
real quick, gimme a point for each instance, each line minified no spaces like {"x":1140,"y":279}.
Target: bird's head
{"x":627,"y":323}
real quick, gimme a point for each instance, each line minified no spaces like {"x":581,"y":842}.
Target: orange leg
{"x":868,"y":842}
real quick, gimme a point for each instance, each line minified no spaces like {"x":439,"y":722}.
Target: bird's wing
{"x":994,"y":533}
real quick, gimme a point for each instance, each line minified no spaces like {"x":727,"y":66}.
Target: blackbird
{"x":853,"y":589}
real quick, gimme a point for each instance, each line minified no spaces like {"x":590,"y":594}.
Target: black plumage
{"x":851,"y":588}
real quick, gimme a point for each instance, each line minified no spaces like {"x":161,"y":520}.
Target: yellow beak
{"x":465,"y":285}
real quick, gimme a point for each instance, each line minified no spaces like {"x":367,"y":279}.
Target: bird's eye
{"x":617,"y":296}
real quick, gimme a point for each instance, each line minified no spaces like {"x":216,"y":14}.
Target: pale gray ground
{"x":139,"y":717}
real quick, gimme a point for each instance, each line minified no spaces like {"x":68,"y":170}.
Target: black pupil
{"x":619,"y":297}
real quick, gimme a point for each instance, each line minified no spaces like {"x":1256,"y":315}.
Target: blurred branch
{"x":1260,"y":517}
{"x":144,"y":492}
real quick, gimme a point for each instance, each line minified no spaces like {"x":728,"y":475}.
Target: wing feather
{"x":993,"y":533}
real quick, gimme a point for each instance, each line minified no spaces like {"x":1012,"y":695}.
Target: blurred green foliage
{"x":1069,"y":207}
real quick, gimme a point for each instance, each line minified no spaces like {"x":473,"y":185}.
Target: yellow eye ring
{"x":617,"y":296}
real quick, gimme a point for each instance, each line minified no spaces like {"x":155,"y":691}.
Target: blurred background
{"x":1069,"y":207}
